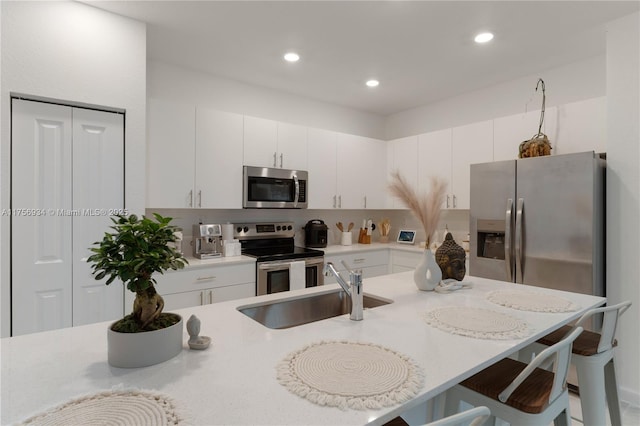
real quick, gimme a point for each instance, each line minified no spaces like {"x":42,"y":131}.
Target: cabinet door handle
{"x":365,"y":201}
{"x":447,"y":200}
{"x":281,"y":155}
{"x":200,"y":198}
{"x":274,"y":159}
{"x":339,"y":201}
{"x":210,"y":296}
{"x":334,"y":201}
{"x":454,"y":201}
{"x":191,"y":198}
{"x":359,"y":260}
{"x":212,"y":277}
{"x":202,"y":298}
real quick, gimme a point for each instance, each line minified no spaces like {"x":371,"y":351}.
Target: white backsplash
{"x":456,"y":220}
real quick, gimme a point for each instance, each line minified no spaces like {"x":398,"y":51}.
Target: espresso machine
{"x":207,"y":241}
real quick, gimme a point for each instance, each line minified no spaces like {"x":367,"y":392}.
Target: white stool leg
{"x":611,"y":386}
{"x":592,"y":390}
{"x":563,"y":419}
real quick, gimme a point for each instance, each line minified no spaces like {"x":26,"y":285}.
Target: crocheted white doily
{"x":477,"y":322}
{"x":350,"y":375}
{"x":531,"y":301}
{"x":134,"y":408}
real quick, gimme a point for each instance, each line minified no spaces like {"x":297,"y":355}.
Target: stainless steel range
{"x":280,"y":264}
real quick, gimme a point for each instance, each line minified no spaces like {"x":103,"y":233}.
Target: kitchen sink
{"x":303,"y":310}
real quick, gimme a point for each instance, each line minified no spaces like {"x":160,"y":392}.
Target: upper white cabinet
{"x":269,"y":143}
{"x":581,"y":126}
{"x":218,"y":156}
{"x":402,"y":156}
{"x":361,"y":171}
{"x":67,"y":179}
{"x":471,"y":144}
{"x":190,"y":153}
{"x":323,"y":169}
{"x":170,"y":154}
{"x":346,"y":171}
{"x":434,"y":160}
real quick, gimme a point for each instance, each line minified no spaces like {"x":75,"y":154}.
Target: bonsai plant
{"x":133,"y":253}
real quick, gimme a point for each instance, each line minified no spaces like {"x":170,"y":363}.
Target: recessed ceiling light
{"x":483,"y":37}
{"x":291,"y":57}
{"x":372,"y":83}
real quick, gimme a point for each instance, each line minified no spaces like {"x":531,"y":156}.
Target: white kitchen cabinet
{"x":218,"y":156}
{"x":372,"y":263}
{"x":67,"y":179}
{"x":195,"y":157}
{"x":322,"y":169}
{"x":402,"y":156}
{"x":361,"y":177}
{"x":402,"y":261}
{"x":470,"y":144}
{"x":434,"y":160}
{"x":268,"y":143}
{"x":581,"y":126}
{"x":170,"y":154}
{"x":195,"y":286}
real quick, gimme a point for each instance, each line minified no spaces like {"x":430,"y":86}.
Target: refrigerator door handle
{"x":519,"y":213}
{"x":507,"y":239}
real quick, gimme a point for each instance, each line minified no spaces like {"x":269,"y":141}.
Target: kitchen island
{"x":234,"y":380}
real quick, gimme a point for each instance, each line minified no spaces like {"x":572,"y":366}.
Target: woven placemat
{"x":123,"y":408}
{"x":531,"y":301}
{"x":477,"y":322}
{"x":352,"y":375}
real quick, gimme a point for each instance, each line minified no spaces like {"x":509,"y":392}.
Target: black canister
{"x":315,"y":234}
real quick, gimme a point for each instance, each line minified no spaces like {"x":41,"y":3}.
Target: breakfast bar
{"x":235,"y":380}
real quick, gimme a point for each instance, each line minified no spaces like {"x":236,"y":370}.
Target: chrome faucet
{"x":353,"y":288}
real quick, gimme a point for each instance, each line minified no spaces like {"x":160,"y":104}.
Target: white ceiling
{"x":421,"y":51}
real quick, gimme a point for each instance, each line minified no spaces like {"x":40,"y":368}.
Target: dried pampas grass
{"x":425,"y":207}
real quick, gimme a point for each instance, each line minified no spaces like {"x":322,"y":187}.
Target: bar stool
{"x":476,"y":416}
{"x":593,"y":358}
{"x":520,"y":393}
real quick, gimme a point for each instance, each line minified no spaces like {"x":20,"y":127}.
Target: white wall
{"x":166,"y":81}
{"x":623,"y":194}
{"x":72,"y":52}
{"x":573,"y":82}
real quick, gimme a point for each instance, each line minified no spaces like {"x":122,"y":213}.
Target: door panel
{"x":41,"y":232}
{"x":98,"y":193}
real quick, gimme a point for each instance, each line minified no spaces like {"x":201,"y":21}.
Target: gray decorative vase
{"x":132,"y":350}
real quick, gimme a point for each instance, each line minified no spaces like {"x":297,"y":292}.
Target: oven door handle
{"x":296,"y":183}
{"x":269,"y":266}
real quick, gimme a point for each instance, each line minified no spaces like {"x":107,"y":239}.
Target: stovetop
{"x":267,"y":254}
{"x":271,"y":241}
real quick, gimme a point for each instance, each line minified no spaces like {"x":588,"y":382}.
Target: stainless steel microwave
{"x":270,"y":188}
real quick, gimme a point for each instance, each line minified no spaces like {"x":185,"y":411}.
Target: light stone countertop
{"x":234,"y":381}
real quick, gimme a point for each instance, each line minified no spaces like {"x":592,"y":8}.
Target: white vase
{"x":427,"y":274}
{"x":132,"y":350}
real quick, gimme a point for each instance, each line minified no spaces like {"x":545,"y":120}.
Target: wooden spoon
{"x":339,"y":225}
{"x":350,"y":227}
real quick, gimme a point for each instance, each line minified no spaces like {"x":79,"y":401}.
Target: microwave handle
{"x":297,"y":186}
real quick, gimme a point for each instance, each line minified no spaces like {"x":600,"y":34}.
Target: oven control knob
{"x":239,"y":229}
{"x":246,"y":229}
{"x":278,"y":227}
{"x":289,"y":228}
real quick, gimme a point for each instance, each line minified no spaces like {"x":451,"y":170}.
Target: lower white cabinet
{"x":372,"y":263}
{"x":402,"y":261}
{"x":195,"y":286}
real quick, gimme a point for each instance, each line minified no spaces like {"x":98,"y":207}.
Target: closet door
{"x":41,"y":256}
{"x":98,"y":193}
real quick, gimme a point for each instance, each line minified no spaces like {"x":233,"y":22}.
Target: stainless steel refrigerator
{"x":540,"y":221}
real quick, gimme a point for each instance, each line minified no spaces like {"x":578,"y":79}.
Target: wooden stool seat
{"x":586,"y":344}
{"x":532,"y":396}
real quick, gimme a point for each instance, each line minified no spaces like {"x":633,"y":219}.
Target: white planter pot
{"x":131,"y":350}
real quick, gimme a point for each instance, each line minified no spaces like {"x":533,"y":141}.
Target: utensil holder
{"x":346,"y":238}
{"x":363,"y":238}
{"x":384,"y":239}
